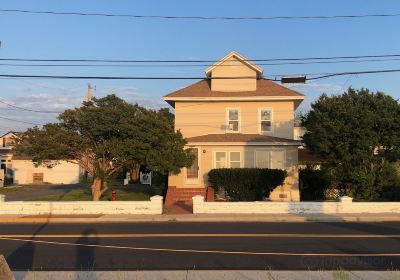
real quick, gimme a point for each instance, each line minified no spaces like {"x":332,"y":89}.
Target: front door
{"x":192,"y":172}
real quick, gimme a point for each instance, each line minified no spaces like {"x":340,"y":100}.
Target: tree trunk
{"x":135,"y":171}
{"x":96,"y":189}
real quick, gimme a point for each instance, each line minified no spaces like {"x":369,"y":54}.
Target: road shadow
{"x":23,"y":258}
{"x":86,"y":255}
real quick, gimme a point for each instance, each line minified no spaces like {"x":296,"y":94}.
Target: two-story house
{"x":233,"y":119}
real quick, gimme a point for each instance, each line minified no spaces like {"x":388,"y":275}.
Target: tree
{"x":106,"y":135}
{"x":356,"y":134}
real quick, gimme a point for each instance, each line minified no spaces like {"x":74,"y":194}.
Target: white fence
{"x":153,"y":206}
{"x":345,"y":206}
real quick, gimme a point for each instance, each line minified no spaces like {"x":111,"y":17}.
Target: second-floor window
{"x":265,"y":120}
{"x":233,"y":119}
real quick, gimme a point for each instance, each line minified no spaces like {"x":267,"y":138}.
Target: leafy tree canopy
{"x":105,"y":135}
{"x":357,"y":134}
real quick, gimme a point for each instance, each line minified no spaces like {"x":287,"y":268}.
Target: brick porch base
{"x":184,"y":195}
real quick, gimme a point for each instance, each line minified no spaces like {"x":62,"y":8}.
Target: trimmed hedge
{"x":246,"y":184}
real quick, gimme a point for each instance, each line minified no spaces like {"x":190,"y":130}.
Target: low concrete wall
{"x":345,"y":206}
{"x":154,"y":206}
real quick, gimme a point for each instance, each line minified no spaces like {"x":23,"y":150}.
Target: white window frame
{"x":215,"y":158}
{"x":260,"y":121}
{"x":270,"y":157}
{"x":228,"y":158}
{"x":227,"y":120}
{"x":240,"y":159}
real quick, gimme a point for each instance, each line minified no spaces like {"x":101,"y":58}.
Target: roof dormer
{"x":241,"y":74}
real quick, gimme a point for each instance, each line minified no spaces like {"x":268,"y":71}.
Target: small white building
{"x":22,"y":170}
{"x":25,"y":172}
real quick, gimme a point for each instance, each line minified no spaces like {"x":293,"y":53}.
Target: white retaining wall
{"x":346,"y":205}
{"x":154,"y":206}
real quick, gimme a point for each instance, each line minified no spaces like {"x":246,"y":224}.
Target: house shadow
{"x":23,"y":258}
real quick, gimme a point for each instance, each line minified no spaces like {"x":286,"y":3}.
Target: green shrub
{"x":313,"y":184}
{"x":390,"y":181}
{"x":246,"y":184}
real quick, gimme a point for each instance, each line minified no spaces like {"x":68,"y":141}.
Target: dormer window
{"x":233,"y":120}
{"x":265,"y":120}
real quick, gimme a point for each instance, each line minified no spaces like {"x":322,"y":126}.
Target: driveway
{"x":29,"y":192}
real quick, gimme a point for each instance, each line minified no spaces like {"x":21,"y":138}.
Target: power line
{"x":200,"y":61}
{"x":195,"y":65}
{"x":124,"y":78}
{"x":318,"y":17}
{"x":324,"y":75}
{"x":26,"y":109}
{"x":13,"y":120}
{"x":354,"y":73}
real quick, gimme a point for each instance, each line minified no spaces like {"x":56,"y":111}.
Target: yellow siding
{"x":234,"y":68}
{"x":201,"y":118}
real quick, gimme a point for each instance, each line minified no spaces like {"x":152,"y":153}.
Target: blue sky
{"x":71,"y":37}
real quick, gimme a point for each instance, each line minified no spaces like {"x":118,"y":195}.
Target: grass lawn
{"x":18,"y":189}
{"x":128,"y":193}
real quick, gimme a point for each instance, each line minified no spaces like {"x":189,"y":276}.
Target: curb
{"x":198,"y":218}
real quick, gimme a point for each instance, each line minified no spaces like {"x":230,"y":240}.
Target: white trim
{"x":227,"y":130}
{"x":234,"y":98}
{"x":240,"y":58}
{"x":259,"y":120}
{"x":193,"y":181}
{"x":246,"y":143}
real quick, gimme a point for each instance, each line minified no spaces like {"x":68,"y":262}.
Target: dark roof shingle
{"x":265,"y":88}
{"x":239,"y":137}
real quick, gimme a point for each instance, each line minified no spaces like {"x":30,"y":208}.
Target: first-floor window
{"x":221,"y":160}
{"x":234,"y":159}
{"x":231,"y":159}
{"x":262,"y":159}
{"x":270,"y":159}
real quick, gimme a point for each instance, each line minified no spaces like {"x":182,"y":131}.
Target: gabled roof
{"x":235,"y":55}
{"x":16,"y":133}
{"x":242,"y":138}
{"x":266,"y":89}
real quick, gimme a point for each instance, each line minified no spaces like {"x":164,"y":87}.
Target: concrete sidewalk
{"x":389,"y":217}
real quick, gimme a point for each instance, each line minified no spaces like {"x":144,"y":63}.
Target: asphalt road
{"x":176,"y":245}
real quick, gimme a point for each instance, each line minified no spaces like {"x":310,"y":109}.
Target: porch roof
{"x":242,"y":138}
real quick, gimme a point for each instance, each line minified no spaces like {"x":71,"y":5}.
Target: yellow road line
{"x":208,"y":251}
{"x":168,"y":235}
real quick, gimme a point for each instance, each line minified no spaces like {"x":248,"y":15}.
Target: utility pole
{"x":89,"y":93}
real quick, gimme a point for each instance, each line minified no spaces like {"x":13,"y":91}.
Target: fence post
{"x":2,"y":198}
{"x":157,"y":200}
{"x":198,"y":201}
{"x":346,"y":203}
